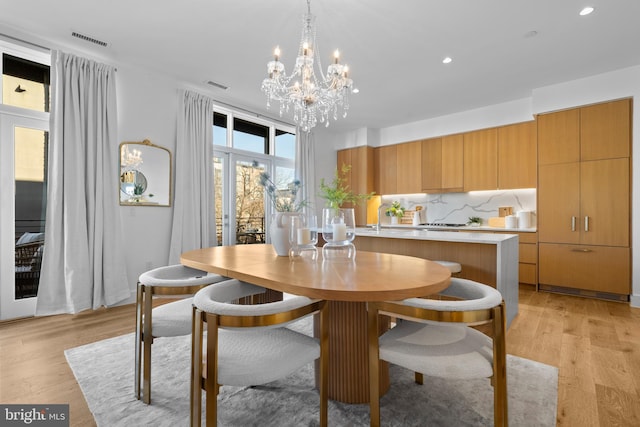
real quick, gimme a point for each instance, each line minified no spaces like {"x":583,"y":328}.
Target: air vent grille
{"x":89,"y":39}
{"x":218,"y":85}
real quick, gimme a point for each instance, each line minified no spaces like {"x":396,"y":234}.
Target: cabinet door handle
{"x":586,"y":223}
{"x":581,"y":250}
{"x":573,"y":223}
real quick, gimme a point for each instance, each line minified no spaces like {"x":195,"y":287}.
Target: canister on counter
{"x":505,"y":211}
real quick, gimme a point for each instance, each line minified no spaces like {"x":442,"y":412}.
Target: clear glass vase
{"x":303,"y":236}
{"x":338,"y":231}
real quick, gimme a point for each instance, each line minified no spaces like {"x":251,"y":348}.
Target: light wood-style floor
{"x":595,"y":344}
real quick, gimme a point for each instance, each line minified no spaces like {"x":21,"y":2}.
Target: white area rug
{"x":104,"y":371}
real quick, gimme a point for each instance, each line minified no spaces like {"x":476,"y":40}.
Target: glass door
{"x":23,"y":178}
{"x":249,"y":201}
{"x":240,"y":201}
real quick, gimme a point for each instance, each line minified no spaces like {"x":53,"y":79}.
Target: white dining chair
{"x":249,"y":345}
{"x":435,"y":338}
{"x":167,"y":320}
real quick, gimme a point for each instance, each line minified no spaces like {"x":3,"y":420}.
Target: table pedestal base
{"x":348,"y":353}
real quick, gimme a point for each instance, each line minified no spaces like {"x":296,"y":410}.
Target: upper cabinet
{"x":481,"y":160}
{"x":385,"y":163}
{"x":442,"y":164}
{"x":408,"y":167}
{"x":559,"y":137}
{"x":360,"y":177}
{"x":605,"y":130}
{"x":517,"y":152}
{"x":594,"y":132}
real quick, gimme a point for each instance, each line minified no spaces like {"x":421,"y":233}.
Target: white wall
{"x":603,"y":87}
{"x":147,"y":107}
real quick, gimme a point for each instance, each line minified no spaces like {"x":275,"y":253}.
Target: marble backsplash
{"x":456,"y":208}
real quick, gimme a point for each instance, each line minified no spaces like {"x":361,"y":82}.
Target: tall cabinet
{"x":584,"y":200}
{"x":360,"y":177}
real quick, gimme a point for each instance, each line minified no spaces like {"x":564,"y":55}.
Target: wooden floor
{"x":596,"y":345}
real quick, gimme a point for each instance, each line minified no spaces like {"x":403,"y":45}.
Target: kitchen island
{"x":487,"y":258}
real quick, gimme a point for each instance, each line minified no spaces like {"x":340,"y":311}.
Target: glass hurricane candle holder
{"x":338,"y":231}
{"x":303,"y":236}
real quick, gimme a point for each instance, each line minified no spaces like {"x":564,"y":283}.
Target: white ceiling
{"x":394,"y":49}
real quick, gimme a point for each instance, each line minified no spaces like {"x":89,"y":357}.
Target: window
{"x":250,"y":136}
{"x":25,"y":83}
{"x":285,"y":143}
{"x":243,"y":148}
{"x":219,"y":129}
{"x":24,"y":139}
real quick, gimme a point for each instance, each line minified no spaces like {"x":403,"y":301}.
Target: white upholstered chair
{"x":434,"y":338}
{"x":167,"y":320}
{"x":454,"y":267}
{"x":248,"y":345}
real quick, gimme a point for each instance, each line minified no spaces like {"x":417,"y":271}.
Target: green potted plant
{"x":395,"y":211}
{"x":338,"y":223}
{"x":338,"y":192}
{"x":474,"y":221}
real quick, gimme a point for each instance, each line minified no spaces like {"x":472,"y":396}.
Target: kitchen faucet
{"x":382,"y":205}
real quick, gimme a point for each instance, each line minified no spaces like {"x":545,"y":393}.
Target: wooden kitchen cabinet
{"x":594,"y":132}
{"x":386,"y":166}
{"x":559,"y":202}
{"x":601,"y":269}
{"x":432,"y":165}
{"x":559,"y":137}
{"x":527,"y":255}
{"x":604,"y":130}
{"x":517,"y":156}
{"x":408,"y":168}
{"x":584,"y":210}
{"x":481,"y":160}
{"x":360,"y":178}
{"x":442,"y":164}
{"x":453,"y":163}
{"x":585,"y":203}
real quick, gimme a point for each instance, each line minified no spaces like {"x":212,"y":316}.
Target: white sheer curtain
{"x":83,"y":265}
{"x":305,"y":166}
{"x":194,"y":222}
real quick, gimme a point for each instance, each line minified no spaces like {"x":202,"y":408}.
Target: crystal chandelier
{"x":130,"y":159}
{"x":311,"y":98}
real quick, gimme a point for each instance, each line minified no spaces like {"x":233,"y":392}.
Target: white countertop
{"x":443,"y":236}
{"x":463,"y":228}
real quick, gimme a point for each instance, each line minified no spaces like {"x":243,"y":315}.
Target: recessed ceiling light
{"x":447,"y":60}
{"x":355,"y":90}
{"x":530,"y":34}
{"x":587,"y":10}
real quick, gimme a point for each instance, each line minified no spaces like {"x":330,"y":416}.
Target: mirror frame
{"x":123,"y":198}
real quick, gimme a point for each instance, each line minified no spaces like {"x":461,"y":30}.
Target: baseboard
{"x":584,"y":293}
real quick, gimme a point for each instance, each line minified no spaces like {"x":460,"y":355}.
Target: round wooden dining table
{"x":346,"y":283}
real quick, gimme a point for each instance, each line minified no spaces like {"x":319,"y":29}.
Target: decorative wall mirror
{"x":145,"y":174}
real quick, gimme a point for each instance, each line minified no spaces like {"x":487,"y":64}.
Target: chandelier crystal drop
{"x":310,"y":97}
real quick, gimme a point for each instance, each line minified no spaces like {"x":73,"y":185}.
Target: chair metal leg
{"x":211,"y":383}
{"x":196,"y":368}
{"x":324,"y":364}
{"x":500,"y":367}
{"x":138,"y":350}
{"x":147,"y":340}
{"x":374,"y":370}
{"x":418,"y":378}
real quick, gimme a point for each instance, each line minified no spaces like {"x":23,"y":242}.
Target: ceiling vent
{"x":218,"y":85}
{"x":89,"y":39}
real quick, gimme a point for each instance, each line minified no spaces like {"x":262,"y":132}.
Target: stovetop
{"x":443,"y":224}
